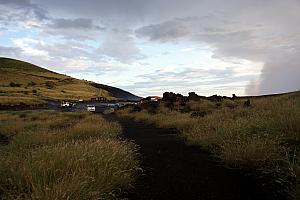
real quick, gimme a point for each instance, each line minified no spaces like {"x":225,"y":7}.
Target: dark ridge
{"x":118,"y":93}
{"x":268,"y":95}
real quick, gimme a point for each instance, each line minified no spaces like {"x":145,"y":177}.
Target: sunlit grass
{"x":13,"y":100}
{"x":53,"y":155}
{"x":22,"y":83}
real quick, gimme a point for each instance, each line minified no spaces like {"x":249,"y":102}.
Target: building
{"x":150,"y":99}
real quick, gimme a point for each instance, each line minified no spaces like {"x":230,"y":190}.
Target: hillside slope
{"x":117,"y":92}
{"x":25,"y":83}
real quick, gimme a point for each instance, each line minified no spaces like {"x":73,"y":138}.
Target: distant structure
{"x":150,"y":99}
{"x":101,"y":99}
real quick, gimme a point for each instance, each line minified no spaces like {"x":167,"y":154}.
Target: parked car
{"x":91,"y":108}
{"x":67,"y":104}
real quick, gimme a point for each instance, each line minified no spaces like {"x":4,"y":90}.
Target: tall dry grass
{"x":55,"y":155}
{"x":262,"y":139}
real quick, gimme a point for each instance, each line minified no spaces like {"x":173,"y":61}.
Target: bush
{"x":12,"y":84}
{"x":202,"y":105}
{"x":31,"y":84}
{"x":230,"y":103}
{"x":50,"y":84}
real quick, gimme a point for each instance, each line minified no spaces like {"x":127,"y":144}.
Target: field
{"x":55,"y":155}
{"x":22,"y":83}
{"x":261,"y":139}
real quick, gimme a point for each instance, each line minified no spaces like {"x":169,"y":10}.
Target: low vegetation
{"x":261,"y":137}
{"x":23,"y":81}
{"x":54,"y":155}
{"x":21,"y":101}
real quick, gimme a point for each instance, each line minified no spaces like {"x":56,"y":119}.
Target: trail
{"x":173,"y":170}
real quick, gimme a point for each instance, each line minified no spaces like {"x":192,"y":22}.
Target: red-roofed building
{"x":150,"y":99}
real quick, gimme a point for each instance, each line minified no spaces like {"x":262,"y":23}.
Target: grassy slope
{"x":36,"y":83}
{"x":55,"y":155}
{"x":263,"y":139}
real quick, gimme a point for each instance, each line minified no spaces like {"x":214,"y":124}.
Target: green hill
{"x":25,"y":83}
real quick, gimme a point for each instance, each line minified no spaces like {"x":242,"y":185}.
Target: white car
{"x":91,"y":108}
{"x":65,"y":104}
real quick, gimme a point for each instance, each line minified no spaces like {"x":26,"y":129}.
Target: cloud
{"x":201,"y":80}
{"x":164,"y":32}
{"x":120,"y":46}
{"x":10,"y":51}
{"x":106,"y":33}
{"x":256,"y":34}
{"x":26,"y":14}
{"x":21,"y":11}
{"x":69,"y":57}
{"x":79,"y":23}
{"x":281,"y":74}
{"x":73,"y":29}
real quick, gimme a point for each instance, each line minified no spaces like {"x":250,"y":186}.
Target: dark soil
{"x":173,"y":170}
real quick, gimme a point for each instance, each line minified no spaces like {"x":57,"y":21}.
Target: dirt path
{"x":173,"y":170}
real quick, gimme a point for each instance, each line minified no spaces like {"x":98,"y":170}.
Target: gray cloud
{"x":120,"y":46}
{"x":281,"y":74}
{"x":256,"y":34}
{"x":10,"y":51}
{"x":258,"y":31}
{"x":26,"y":13}
{"x":79,"y":23}
{"x":167,"y":31}
{"x":25,"y":9}
{"x":73,"y":29}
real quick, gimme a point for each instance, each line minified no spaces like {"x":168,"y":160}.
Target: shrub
{"x":12,"y":84}
{"x":22,"y":115}
{"x":202,"y":105}
{"x":31,"y":84}
{"x":230,"y":103}
{"x":50,"y":84}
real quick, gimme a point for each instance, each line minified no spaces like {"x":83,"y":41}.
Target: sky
{"x":147,"y":47}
